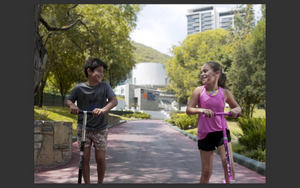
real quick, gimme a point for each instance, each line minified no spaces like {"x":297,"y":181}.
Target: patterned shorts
{"x":97,"y":138}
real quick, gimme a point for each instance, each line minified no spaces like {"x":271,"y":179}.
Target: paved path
{"x":146,"y":151}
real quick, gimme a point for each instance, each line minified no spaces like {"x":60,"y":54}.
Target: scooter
{"x":82,"y":143}
{"x":225,"y":140}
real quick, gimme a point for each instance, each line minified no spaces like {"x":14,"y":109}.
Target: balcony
{"x":206,"y":19}
{"x":206,"y":23}
{"x":195,"y":16}
{"x":207,"y":27}
{"x":223,"y":24}
{"x":207,"y":16}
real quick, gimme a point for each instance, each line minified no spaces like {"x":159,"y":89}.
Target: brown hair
{"x":217,"y":67}
{"x":93,"y":63}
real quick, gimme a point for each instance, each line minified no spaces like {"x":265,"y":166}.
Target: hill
{"x":147,"y":54}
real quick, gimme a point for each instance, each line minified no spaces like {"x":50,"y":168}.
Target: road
{"x":147,"y":151}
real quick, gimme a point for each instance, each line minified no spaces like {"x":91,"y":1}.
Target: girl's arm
{"x":235,"y":107}
{"x":191,"y":108}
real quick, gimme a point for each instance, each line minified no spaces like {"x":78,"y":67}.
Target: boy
{"x":92,"y":96}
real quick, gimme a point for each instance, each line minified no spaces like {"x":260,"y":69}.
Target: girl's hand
{"x":234,"y":112}
{"x":208,"y":113}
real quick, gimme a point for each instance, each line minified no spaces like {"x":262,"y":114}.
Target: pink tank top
{"x":216,"y":104}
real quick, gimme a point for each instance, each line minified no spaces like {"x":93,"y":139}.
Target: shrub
{"x":173,"y":117}
{"x":184,"y":121}
{"x":237,"y":147}
{"x":138,"y":115}
{"x":141,"y":115}
{"x":228,"y":118}
{"x":257,"y":155}
{"x":254,"y":130}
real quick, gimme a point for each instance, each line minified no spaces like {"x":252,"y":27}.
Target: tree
{"x":263,"y":11}
{"x":248,"y":71}
{"x":113,"y":25}
{"x":40,"y":52}
{"x":183,"y":69}
{"x":104,"y":35}
{"x":244,"y":22}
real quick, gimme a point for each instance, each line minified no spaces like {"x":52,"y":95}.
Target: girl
{"x":210,"y":98}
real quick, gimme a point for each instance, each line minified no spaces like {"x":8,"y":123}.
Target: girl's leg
{"x":221,"y":150}
{"x":206,"y":161}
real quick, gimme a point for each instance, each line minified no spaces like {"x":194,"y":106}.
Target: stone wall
{"x":52,"y":143}
{"x":113,"y":120}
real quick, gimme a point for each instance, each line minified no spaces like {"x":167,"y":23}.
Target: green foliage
{"x":254,"y":130}
{"x":147,"y":54}
{"x":103,"y":31}
{"x":141,"y":115}
{"x":247,"y":76}
{"x":183,"y":121}
{"x":256,"y":155}
{"x":244,"y":22}
{"x":138,"y":115}
{"x":183,"y":69}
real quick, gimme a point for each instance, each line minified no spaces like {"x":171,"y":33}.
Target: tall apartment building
{"x":205,"y":18}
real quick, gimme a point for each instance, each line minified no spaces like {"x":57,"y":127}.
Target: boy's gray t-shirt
{"x":88,"y":98}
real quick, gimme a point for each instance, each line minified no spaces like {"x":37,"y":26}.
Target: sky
{"x":160,"y":26}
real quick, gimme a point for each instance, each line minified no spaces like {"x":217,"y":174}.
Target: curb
{"x":249,"y":163}
{"x":74,"y":138}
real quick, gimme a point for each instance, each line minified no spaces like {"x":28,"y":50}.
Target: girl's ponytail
{"x":222,"y":80}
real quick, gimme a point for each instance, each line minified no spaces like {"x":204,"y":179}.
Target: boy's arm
{"x":73,"y":108}
{"x":113,"y":101}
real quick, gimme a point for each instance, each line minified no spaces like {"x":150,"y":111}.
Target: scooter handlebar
{"x":88,"y":112}
{"x":225,"y":113}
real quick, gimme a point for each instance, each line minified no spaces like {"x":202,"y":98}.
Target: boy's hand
{"x":98,"y":111}
{"x":74,"y":110}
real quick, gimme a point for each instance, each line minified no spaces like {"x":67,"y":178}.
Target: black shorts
{"x":213,"y":140}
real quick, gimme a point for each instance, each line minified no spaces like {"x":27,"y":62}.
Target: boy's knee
{"x":100,"y":159}
{"x":206,"y":173}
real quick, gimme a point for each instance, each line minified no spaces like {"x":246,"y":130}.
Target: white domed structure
{"x":149,"y":74}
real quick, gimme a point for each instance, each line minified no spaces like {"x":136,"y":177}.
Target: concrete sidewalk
{"x":146,"y":151}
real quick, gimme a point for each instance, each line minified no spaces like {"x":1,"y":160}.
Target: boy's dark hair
{"x":217,"y":67}
{"x":93,"y":63}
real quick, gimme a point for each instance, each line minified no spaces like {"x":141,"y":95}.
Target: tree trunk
{"x":63,"y":101}
{"x":40,"y":94}
{"x":40,"y":52}
{"x":44,"y":80}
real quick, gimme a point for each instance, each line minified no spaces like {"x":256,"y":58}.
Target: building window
{"x":134,"y":80}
